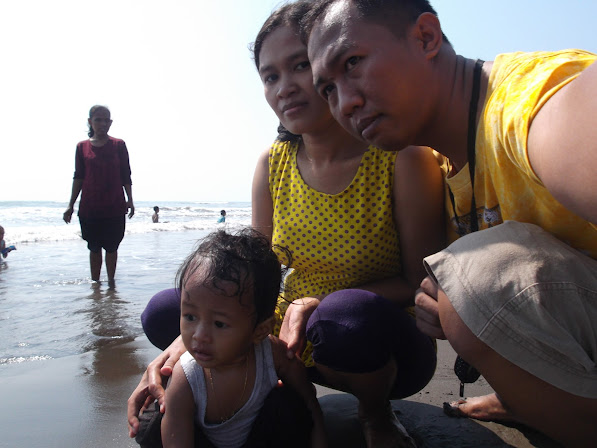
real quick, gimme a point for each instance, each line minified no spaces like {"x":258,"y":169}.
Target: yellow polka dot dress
{"x":337,"y":241}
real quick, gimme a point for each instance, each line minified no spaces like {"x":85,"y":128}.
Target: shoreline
{"x":80,"y":400}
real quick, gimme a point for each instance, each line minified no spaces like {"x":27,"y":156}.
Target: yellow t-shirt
{"x":506,"y":188}
{"x":337,"y":241}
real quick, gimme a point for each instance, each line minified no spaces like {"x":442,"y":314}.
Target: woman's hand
{"x":150,"y":387}
{"x":131,"y":207}
{"x":294,"y":324}
{"x":68,"y":213}
{"x":427,"y":310}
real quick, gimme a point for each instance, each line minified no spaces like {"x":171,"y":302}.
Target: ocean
{"x":48,"y":308}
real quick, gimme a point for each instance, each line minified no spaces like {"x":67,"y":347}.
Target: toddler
{"x":226,"y":384}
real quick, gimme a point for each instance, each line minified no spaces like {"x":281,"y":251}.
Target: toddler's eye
{"x":220,"y":324}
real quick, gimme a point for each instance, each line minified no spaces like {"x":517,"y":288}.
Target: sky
{"x":182,"y":87}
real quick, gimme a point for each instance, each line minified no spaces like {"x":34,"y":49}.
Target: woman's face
{"x":288,"y":83}
{"x":100,"y":122}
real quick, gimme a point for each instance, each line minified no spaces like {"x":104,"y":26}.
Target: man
{"x":515,"y":302}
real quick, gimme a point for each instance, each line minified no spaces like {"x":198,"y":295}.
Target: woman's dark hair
{"x":94,"y":109}
{"x":245,"y":260}
{"x":290,"y":16}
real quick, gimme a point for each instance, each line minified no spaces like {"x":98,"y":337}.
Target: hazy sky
{"x":182,"y":87}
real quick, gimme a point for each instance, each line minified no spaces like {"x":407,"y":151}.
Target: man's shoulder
{"x":520,"y":64}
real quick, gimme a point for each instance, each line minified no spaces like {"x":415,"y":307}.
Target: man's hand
{"x":151,"y":385}
{"x":426,"y":309}
{"x":294,"y":325}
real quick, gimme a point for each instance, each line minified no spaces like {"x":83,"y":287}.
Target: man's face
{"x":371,"y":79}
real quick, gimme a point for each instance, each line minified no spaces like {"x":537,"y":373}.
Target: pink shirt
{"x":104,"y":170}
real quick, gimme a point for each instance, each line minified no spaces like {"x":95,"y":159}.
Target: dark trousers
{"x":283,"y":421}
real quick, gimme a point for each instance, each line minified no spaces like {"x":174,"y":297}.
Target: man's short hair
{"x":396,"y":15}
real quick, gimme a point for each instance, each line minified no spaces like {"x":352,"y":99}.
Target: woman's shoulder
{"x":279,"y":146}
{"x":280,"y":151}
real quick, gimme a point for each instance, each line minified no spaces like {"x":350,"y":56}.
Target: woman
{"x":102,"y":170}
{"x":339,"y":206}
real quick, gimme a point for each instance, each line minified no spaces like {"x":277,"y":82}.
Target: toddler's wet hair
{"x":245,"y":260}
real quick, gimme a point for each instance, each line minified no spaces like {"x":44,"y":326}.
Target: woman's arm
{"x":150,"y":387}
{"x":261,"y":202}
{"x":178,"y":427}
{"x":76,"y":189}
{"x":129,"y":194}
{"x":418,"y":194}
{"x":292,"y":372}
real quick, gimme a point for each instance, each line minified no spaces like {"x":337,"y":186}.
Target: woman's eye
{"x":269,"y":78}
{"x":220,"y":324}
{"x":302,"y":65}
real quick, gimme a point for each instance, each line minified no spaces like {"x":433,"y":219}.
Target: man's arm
{"x":562,"y":145}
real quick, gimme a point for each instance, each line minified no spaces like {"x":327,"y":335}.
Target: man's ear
{"x":263,"y":329}
{"x":428,"y":31}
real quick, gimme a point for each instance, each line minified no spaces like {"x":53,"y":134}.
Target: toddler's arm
{"x":293,"y":373}
{"x":178,"y":428}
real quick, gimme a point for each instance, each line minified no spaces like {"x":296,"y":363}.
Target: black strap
{"x":465,"y":372}
{"x":470,"y":150}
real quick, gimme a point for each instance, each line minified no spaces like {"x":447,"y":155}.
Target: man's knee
{"x":461,"y":338}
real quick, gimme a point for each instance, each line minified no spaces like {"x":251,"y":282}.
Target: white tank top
{"x":233,"y":432}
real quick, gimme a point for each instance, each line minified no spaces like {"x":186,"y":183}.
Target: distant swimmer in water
{"x":3,"y":249}
{"x":155,"y":217}
{"x":222,"y":217}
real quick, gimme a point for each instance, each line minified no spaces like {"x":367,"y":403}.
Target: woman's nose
{"x":286,"y":87}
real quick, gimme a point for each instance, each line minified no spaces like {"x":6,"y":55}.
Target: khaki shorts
{"x":528,"y":296}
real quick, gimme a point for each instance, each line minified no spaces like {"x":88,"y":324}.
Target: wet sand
{"x":80,"y":401}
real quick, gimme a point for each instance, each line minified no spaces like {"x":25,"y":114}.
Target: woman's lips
{"x":293,"y":108}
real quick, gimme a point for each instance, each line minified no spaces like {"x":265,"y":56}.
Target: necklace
{"x":213,"y":391}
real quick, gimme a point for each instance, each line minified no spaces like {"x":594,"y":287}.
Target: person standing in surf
{"x":102,"y":171}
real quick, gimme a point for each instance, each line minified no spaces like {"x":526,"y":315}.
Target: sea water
{"x":50,"y":308}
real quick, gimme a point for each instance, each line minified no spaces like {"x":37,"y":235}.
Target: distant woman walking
{"x":102,"y":170}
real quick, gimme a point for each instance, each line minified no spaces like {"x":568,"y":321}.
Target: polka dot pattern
{"x":337,"y":241}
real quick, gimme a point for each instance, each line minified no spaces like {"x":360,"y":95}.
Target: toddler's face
{"x":217,"y":329}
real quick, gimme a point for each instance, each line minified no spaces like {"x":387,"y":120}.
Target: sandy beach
{"x":80,"y":401}
{"x":71,"y":354}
